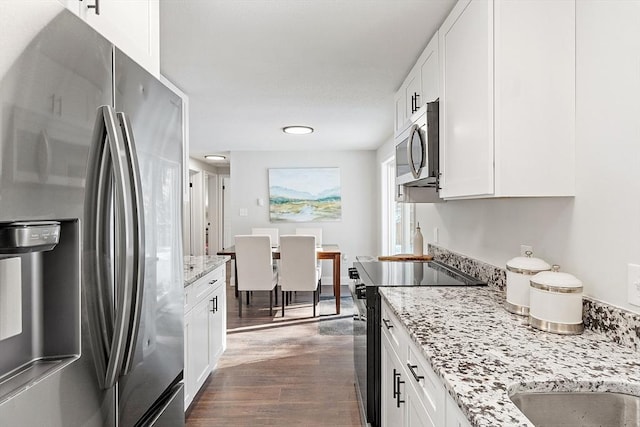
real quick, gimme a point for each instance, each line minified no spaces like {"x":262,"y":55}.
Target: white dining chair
{"x":298,"y":270}
{"x":254,"y":263}
{"x":317,"y":232}
{"x":272,"y":232}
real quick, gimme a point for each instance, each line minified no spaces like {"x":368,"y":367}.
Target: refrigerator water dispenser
{"x":39,"y":301}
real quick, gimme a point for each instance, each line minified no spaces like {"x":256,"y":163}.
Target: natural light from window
{"x":397,"y":218}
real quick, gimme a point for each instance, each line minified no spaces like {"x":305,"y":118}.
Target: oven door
{"x":360,"y":347}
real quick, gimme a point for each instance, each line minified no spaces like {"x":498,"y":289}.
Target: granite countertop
{"x":197,"y":266}
{"x":482,"y":353}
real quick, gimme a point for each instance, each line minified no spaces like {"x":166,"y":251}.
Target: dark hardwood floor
{"x":291,"y":371}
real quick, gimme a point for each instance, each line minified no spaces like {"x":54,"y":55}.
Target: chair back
{"x":254,"y":262}
{"x":317,"y":232}
{"x":297,"y":271}
{"x":271,"y":232}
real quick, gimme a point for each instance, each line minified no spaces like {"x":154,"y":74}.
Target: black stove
{"x":368,"y":275}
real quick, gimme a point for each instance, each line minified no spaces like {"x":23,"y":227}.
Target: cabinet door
{"x":455,"y":417}
{"x":400,"y":105}
{"x":417,"y":415}
{"x":413,"y":92}
{"x":188,"y":351}
{"x":392,"y":390}
{"x":466,"y":109}
{"x":429,"y":72}
{"x":218,"y":324}
{"x":132,"y":25}
{"x":200,"y":342}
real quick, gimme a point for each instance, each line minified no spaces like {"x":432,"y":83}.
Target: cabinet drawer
{"x":392,"y":329}
{"x":428,"y":386}
{"x":199,"y":289}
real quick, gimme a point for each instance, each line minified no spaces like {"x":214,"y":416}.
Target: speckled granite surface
{"x":197,"y":266}
{"x":620,"y":326}
{"x":494,"y":276}
{"x":482,"y":352}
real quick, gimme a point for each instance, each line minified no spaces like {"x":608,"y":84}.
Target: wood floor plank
{"x":280,"y":371}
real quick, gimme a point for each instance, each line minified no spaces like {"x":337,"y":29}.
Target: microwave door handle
{"x":415,"y":172}
{"x":136,"y":229}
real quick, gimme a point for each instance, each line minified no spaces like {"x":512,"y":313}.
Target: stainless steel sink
{"x":579,"y":409}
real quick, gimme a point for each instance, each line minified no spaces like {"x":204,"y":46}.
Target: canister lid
{"x":556,"y":281}
{"x":527,"y":264}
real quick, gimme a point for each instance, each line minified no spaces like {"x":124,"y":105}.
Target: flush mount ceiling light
{"x":214,"y":157}
{"x":297,"y":130}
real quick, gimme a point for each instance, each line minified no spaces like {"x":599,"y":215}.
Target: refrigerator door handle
{"x":107,"y":174}
{"x":137,"y":291}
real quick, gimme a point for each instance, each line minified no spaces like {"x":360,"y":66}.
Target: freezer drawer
{"x":169,"y":412}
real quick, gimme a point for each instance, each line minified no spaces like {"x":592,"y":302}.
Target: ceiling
{"x":251,"y":67}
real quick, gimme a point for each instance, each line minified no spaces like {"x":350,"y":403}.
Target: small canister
{"x":556,"y":302}
{"x":519,"y":271}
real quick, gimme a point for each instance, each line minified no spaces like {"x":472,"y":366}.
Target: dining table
{"x":323,"y":252}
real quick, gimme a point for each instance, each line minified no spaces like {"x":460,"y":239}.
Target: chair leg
{"x":314,"y":302}
{"x":275,"y":291}
{"x":240,"y":305}
{"x":283,"y":303}
{"x":271,"y":302}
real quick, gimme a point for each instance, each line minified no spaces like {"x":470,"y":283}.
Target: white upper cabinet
{"x":507,"y":108}
{"x":466,"y":108}
{"x":132,"y":25}
{"x":419,"y":87}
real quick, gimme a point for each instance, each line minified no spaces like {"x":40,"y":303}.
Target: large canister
{"x":556,"y":302}
{"x":519,"y":271}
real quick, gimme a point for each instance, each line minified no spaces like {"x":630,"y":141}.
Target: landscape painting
{"x":304,"y":194}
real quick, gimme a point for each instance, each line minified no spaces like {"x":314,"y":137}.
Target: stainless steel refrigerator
{"x":91,"y":288}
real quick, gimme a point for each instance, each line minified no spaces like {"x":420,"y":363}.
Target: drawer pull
{"x":414,"y":373}
{"x":396,"y":387}
{"x":398,"y":401}
{"x":387,"y":323}
{"x":214,"y":303}
{"x":213,"y":281}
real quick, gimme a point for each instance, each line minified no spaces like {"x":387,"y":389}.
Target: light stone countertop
{"x":482,"y":353}
{"x":197,"y":266}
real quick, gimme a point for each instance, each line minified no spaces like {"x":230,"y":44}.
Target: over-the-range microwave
{"x":417,"y":152}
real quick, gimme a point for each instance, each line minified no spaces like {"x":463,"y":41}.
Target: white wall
{"x":355,"y":233}
{"x":595,"y":234}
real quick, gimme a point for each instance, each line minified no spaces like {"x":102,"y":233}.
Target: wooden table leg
{"x":235,"y":270}
{"x":336,"y":281}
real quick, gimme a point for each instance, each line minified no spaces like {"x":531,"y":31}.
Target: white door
{"x":227,"y":238}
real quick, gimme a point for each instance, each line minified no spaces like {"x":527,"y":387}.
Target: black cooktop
{"x":431,"y":273}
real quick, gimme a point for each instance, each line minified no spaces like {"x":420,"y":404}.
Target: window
{"x":398,"y":219}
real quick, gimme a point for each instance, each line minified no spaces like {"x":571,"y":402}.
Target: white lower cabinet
{"x":393,"y":390}
{"x":205,"y":325}
{"x":412,"y":395}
